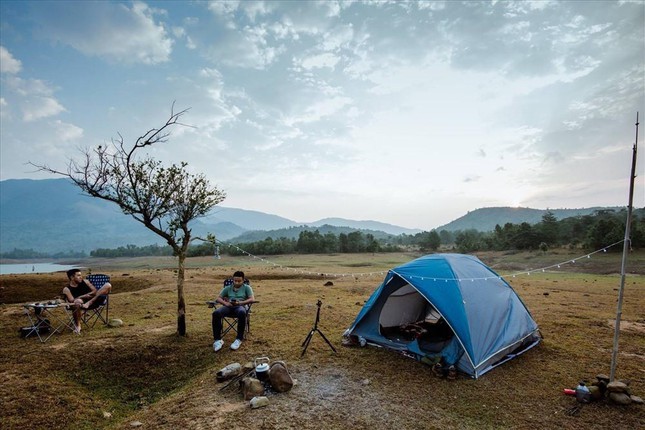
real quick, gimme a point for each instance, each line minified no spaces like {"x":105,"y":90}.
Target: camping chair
{"x":100,"y":310}
{"x":230,"y":323}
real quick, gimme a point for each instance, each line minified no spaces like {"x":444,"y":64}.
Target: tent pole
{"x":626,"y":244}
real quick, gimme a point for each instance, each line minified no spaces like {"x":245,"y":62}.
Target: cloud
{"x":8,"y":64}
{"x":253,"y":34}
{"x":34,"y":98}
{"x":112,"y":31}
{"x":225,"y":8}
{"x":318,"y":61}
{"x":40,"y":107}
{"x":66,"y":132}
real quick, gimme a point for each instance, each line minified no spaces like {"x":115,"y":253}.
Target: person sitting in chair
{"x":232,"y":298}
{"x":82,"y":294}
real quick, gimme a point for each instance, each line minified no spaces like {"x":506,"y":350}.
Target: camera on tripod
{"x":305,"y":344}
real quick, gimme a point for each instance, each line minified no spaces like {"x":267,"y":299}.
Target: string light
{"x":337,"y":275}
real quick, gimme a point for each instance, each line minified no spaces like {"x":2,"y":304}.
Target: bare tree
{"x":164,"y":199}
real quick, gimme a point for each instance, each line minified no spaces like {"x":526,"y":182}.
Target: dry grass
{"x":144,"y":372}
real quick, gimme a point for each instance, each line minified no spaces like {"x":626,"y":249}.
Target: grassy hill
{"x":485,"y":219}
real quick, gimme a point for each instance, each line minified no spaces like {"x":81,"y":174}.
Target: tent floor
{"x":431,"y":337}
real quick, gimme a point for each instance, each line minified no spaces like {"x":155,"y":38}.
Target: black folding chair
{"x":230,"y":323}
{"x":100,"y":310}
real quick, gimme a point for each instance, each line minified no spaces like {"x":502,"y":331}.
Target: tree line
{"x":591,"y":232}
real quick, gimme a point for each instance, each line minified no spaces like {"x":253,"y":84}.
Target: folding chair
{"x":100,"y":310}
{"x":230,"y":323}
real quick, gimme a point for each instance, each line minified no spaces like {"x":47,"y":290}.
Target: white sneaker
{"x":235,"y":345}
{"x":217,"y":345}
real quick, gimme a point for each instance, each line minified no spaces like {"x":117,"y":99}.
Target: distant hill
{"x":246,"y":219}
{"x":365,"y":225}
{"x":294,"y":233}
{"x":485,"y":219}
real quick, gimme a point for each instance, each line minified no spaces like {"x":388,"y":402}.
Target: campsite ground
{"x":142,"y":372}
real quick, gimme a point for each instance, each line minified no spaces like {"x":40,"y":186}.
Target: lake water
{"x":11,"y":269}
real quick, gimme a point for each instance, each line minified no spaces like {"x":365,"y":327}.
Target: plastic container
{"x":582,"y":393}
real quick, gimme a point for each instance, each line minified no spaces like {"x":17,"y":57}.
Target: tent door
{"x":406,"y":315}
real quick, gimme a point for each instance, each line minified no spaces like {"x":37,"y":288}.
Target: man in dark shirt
{"x":82,"y":294}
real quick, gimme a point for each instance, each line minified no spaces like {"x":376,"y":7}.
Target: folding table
{"x":51,"y":315}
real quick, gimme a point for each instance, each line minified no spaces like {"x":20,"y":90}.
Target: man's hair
{"x":72,"y":272}
{"x":239,"y":274}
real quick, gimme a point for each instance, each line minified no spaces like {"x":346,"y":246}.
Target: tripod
{"x":305,"y":344}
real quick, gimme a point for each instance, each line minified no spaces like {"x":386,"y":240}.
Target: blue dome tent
{"x":451,"y":306}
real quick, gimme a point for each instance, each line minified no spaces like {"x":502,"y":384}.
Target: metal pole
{"x":626,"y":244}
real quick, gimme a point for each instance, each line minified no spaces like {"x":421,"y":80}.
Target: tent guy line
{"x":381,"y":273}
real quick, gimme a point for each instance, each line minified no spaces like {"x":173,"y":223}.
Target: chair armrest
{"x":213,"y":303}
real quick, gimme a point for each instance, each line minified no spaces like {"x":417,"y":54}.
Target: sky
{"x":409,"y":113}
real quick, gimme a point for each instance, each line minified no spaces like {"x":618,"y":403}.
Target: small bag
{"x":279,"y":377}
{"x":229,"y":372}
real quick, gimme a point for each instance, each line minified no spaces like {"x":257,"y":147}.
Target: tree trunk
{"x":181,"y":303}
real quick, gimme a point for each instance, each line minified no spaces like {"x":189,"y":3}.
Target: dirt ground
{"x":142,"y":374}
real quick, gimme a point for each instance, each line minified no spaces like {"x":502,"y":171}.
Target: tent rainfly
{"x":448,"y":306}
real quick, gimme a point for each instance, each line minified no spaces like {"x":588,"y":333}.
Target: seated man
{"x":232,"y":298}
{"x":83,"y":294}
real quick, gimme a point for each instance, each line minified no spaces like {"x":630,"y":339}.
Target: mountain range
{"x":51,"y":215}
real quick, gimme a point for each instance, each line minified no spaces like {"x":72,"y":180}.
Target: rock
{"x":107,"y":415}
{"x":595,"y":392}
{"x":365,"y":382}
{"x":602,"y":377}
{"x":115,"y":322}
{"x":620,"y":398}
{"x":636,"y":399}
{"x":136,"y":424}
{"x":616,"y":387}
{"x":279,"y":377}
{"x":329,"y":284}
{"x":259,"y":402}
{"x":251,"y":387}
{"x":602,"y":386}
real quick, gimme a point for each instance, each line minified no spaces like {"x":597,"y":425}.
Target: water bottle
{"x":582,"y":393}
